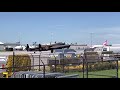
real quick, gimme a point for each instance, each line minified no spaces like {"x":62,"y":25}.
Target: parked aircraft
{"x":20,"y":48}
{"x":105,"y":47}
{"x":112,"y":48}
{"x":8,"y":48}
{"x":101,"y":46}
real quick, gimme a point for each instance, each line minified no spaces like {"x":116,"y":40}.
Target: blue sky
{"x":69,"y":27}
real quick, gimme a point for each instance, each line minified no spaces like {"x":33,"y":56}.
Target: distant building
{"x":1,"y":46}
{"x":12,"y":45}
{"x":79,"y":47}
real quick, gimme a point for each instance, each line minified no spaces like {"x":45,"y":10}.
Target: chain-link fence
{"x":101,"y":66}
{"x":89,"y":65}
{"x":67,"y":65}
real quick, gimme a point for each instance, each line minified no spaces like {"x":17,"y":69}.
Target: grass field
{"x":98,"y":74}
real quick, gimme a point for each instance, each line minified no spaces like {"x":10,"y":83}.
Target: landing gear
{"x":52,"y":51}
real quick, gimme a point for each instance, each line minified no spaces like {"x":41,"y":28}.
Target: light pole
{"x":19,"y":36}
{"x":91,"y":36}
{"x":51,"y":37}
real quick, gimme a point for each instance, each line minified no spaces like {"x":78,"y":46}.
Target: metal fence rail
{"x":69,"y":76}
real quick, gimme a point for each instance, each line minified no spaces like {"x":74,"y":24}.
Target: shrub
{"x":20,"y":61}
{"x":91,"y":67}
{"x":103,"y":66}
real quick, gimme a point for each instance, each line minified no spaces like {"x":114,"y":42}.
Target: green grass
{"x":98,"y":74}
{"x":2,"y":51}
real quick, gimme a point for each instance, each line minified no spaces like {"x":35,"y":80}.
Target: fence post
{"x":68,"y":67}
{"x":33,"y":61}
{"x":117,"y":68}
{"x":55,"y":64}
{"x":83,"y":64}
{"x":44,"y":72}
{"x":39,"y":62}
{"x":86,"y":63}
{"x":63,"y":65}
{"x":43,"y":68}
{"x":87,"y":68}
{"x":13,"y":61}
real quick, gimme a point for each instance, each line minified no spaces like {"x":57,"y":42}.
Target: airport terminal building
{"x":12,"y":45}
{"x":79,"y":47}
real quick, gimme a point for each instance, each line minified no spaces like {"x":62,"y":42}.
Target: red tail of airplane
{"x":105,"y":43}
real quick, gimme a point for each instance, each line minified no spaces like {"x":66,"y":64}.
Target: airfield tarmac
{"x":6,"y":53}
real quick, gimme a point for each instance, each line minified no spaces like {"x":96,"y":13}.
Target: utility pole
{"x":91,"y":36}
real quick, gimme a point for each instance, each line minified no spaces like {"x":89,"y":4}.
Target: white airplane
{"x":115,"y":49}
{"x":105,"y":47}
{"x":20,"y":47}
{"x":100,"y":46}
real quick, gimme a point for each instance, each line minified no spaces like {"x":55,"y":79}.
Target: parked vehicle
{"x":3,"y":61}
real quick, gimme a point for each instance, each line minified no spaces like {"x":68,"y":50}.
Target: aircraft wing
{"x":60,"y":46}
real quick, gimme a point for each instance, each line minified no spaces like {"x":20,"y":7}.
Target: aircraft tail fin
{"x":105,"y":43}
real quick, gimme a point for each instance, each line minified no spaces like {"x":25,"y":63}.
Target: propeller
{"x":27,"y":47}
{"x":39,"y":47}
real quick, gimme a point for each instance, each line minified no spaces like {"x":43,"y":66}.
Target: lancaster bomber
{"x":51,"y":47}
